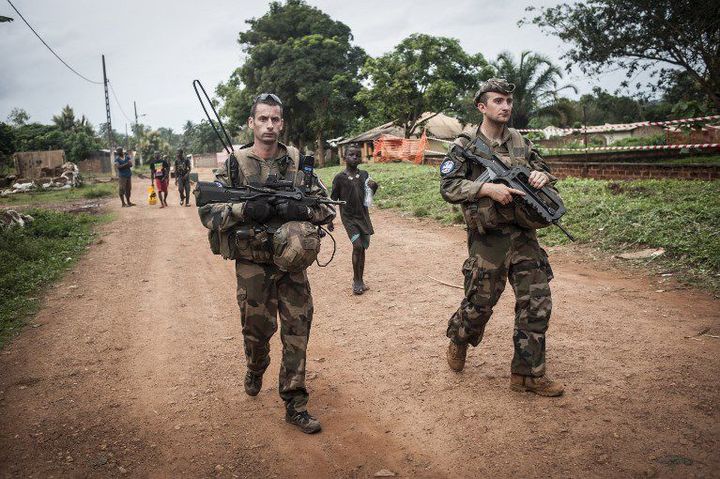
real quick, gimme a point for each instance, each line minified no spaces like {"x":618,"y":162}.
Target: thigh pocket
{"x":479,"y":282}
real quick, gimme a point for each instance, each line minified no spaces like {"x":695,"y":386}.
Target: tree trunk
{"x":320,"y":150}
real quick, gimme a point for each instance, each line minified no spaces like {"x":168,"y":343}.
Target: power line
{"x":118,"y":102}
{"x":51,"y":50}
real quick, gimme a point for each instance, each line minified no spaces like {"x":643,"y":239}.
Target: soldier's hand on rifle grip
{"x":499,"y":192}
{"x":293,"y":211}
{"x":538,"y":179}
{"x":257,"y":210}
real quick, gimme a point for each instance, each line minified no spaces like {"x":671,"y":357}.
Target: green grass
{"x":60,"y":196}
{"x":693,"y":160}
{"x":409,"y":188}
{"x":34,"y":256}
{"x":142,"y":169}
{"x":683,"y":217}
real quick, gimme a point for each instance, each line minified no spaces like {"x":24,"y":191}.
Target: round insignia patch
{"x":447,"y":167}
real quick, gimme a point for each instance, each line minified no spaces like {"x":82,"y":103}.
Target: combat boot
{"x":542,"y":386}
{"x":303,"y":420}
{"x":456,"y":354}
{"x":253,"y":383}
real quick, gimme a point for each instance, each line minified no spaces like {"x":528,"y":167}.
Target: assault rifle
{"x":544,"y":201}
{"x":277,"y":191}
{"x":207,"y":192}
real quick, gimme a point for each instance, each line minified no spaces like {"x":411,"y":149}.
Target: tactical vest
{"x":247,"y":241}
{"x":487,"y":214}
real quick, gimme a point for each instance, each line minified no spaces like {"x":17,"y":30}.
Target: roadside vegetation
{"x":36,"y":255}
{"x":44,"y":197}
{"x":682,"y":217}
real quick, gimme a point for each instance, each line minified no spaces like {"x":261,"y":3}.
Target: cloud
{"x":154,"y":49}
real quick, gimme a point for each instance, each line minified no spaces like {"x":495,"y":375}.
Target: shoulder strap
{"x":294,"y":155}
{"x":518,"y":143}
{"x":481,"y":148}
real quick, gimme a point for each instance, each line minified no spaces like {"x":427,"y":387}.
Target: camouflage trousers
{"x":506,"y":253}
{"x":183,"y":185}
{"x":263,"y":292}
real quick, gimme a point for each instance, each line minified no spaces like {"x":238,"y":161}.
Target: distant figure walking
{"x":160,"y":175}
{"x":124,"y":167}
{"x":182,"y":176}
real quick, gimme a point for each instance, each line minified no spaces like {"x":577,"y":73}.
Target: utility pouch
{"x":252,"y":245}
{"x":487,"y":216}
{"x":214,"y":240}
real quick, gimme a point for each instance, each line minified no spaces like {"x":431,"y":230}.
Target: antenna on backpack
{"x":226,"y":142}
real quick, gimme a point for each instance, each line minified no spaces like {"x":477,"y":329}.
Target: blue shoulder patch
{"x":448,"y":166}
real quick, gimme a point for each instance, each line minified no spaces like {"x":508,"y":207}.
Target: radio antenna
{"x":226,"y":142}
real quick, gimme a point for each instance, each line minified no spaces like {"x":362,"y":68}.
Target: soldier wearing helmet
{"x":272,"y":245}
{"x":502,"y":243}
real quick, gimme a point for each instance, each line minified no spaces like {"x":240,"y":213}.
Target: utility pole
{"x":585,"y":137}
{"x":137,"y":132}
{"x":111,"y":144}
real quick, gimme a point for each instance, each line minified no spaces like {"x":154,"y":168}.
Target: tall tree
{"x":18,"y":116}
{"x":536,"y":82}
{"x":152,"y":143}
{"x":301,"y":54}
{"x":7,"y":145}
{"x":422,"y":74}
{"x":658,"y":36}
{"x":200,"y":138}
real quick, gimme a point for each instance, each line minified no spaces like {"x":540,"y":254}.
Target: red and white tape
{"x":645,"y":147}
{"x":703,"y":119}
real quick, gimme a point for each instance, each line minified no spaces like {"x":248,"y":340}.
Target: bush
{"x":33,"y":256}
{"x":641,"y":140}
{"x":95,"y":192}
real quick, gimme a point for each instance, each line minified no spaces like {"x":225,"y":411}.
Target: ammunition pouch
{"x":242,"y":243}
{"x":486,"y":214}
{"x":256,"y":246}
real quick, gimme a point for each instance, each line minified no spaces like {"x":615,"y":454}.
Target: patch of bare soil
{"x":138,"y":370}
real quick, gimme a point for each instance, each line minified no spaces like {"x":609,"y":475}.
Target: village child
{"x":356,"y":188}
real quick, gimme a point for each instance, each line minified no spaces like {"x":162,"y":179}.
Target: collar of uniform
{"x":282,"y":151}
{"x":504,"y":137}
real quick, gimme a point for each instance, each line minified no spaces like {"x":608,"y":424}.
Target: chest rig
{"x":516,"y":154}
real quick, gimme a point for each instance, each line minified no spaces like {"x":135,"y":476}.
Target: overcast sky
{"x":155,"y":48}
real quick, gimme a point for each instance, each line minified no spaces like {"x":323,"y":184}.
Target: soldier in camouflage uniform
{"x":243,"y":232}
{"x":182,"y":176}
{"x":502,"y":244}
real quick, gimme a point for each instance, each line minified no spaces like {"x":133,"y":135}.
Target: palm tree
{"x":66,"y":119}
{"x":536,"y":82}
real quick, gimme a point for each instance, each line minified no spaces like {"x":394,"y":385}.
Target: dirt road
{"x":134,"y":368}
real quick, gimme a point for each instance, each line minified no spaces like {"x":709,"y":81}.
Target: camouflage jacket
{"x":231,"y":234}
{"x":182,"y":168}
{"x":458,"y":183}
